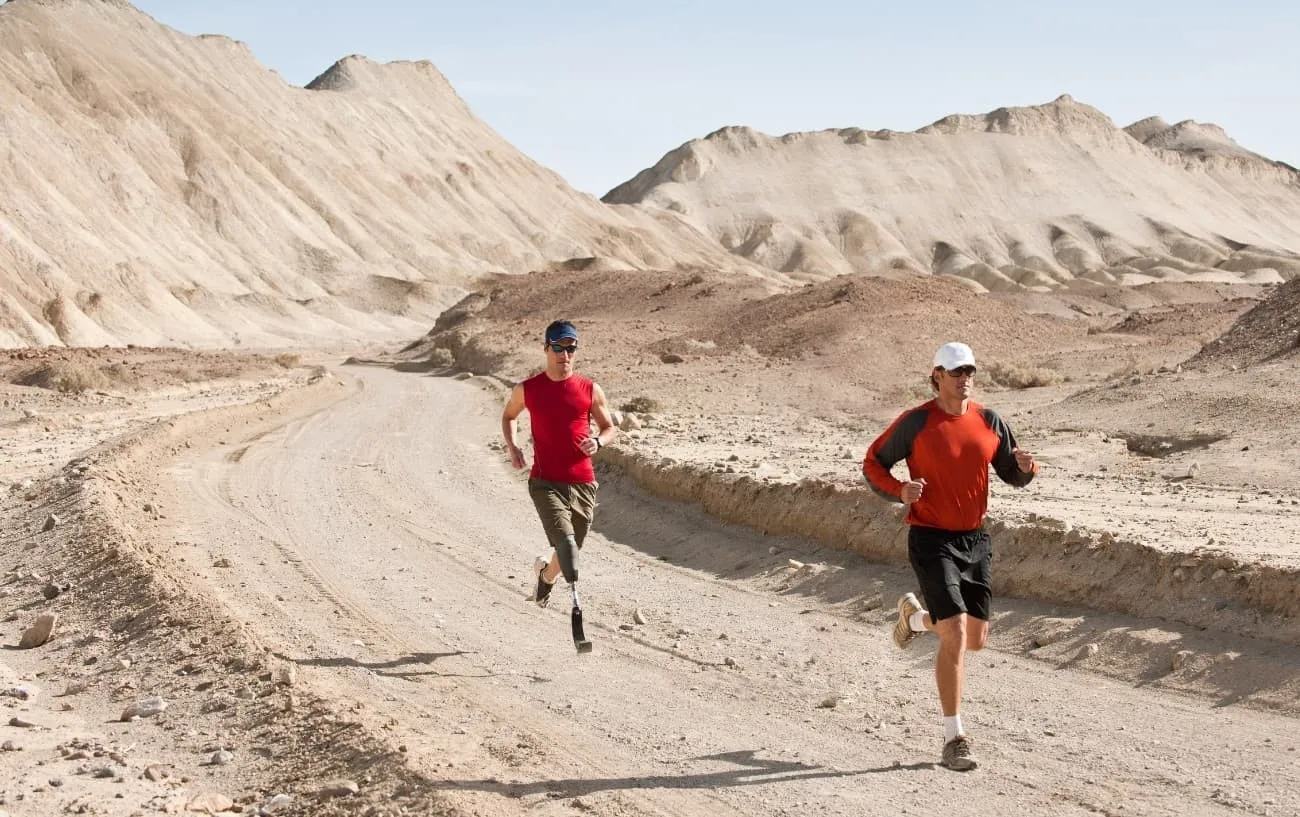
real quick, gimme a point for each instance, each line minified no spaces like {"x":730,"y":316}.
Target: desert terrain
{"x":256,"y":346}
{"x":322,"y":569}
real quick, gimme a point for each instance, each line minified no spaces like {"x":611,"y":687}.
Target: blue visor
{"x":559,"y":331}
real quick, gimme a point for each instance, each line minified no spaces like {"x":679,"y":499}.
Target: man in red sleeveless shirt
{"x":561,"y":406}
{"x":949,"y":444}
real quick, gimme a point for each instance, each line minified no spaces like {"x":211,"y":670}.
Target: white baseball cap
{"x":953,"y":356}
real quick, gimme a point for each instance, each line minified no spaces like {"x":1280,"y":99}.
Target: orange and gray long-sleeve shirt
{"x":952,"y":453}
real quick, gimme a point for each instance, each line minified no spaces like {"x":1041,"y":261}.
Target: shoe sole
{"x":903,"y":634}
{"x":541,"y":596}
{"x":542,"y":599}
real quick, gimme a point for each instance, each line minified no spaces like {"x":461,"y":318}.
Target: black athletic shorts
{"x":954,"y":569}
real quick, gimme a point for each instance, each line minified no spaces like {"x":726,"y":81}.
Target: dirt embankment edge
{"x":1034,"y":558}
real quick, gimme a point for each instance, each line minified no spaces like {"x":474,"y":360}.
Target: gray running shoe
{"x":903,"y":633}
{"x":957,"y":755}
{"x":543,"y":592}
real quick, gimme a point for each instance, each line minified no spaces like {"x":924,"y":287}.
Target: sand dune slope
{"x":1033,"y":197}
{"x":164,"y":189}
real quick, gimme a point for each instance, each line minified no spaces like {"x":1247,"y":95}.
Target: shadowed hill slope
{"x":1270,"y":331}
{"x":863,"y":333}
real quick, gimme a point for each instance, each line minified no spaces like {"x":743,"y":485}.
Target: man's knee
{"x":952,"y":633}
{"x":962,"y":633}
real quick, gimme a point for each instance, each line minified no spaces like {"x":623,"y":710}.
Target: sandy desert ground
{"x":322,"y":569}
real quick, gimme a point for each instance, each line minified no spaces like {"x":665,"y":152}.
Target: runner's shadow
{"x":390,"y":669}
{"x":754,"y":772}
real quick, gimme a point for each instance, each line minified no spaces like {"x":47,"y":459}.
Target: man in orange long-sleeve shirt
{"x":949,"y":444}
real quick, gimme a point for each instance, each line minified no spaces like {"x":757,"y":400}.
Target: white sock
{"x":916,"y":621}
{"x":952,"y":727}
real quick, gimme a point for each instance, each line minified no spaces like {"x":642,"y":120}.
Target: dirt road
{"x":383,"y":545}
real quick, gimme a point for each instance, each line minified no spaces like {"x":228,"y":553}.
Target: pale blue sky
{"x":598,"y":90}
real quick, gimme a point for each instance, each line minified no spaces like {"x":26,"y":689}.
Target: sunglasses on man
{"x":961,"y":371}
{"x":560,"y":348}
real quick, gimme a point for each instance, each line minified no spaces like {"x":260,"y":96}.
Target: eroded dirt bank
{"x":1038,"y":557}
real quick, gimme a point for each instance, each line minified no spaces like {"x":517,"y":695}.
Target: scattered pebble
{"x":147,"y":708}
{"x":210,"y":803}
{"x":39,"y":632}
{"x":338,"y":788}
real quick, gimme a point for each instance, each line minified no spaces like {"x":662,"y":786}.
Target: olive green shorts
{"x":565,"y":508}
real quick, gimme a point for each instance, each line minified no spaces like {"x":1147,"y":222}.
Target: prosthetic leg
{"x":567,"y":550}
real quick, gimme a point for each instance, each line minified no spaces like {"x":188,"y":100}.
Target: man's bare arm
{"x":606,"y":431}
{"x":514,"y":407}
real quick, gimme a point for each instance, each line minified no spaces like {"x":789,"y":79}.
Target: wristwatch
{"x":598,"y":442}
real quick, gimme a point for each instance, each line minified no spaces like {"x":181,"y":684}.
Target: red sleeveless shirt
{"x":559,"y":412}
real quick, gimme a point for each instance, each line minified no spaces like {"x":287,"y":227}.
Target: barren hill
{"x":843,"y":341}
{"x":163,"y":189}
{"x":1270,"y":331}
{"x":1034,"y":197}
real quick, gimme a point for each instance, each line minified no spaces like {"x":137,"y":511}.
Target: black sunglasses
{"x":560,"y":348}
{"x":961,"y":371}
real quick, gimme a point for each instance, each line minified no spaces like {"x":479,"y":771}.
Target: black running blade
{"x":579,"y":635}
